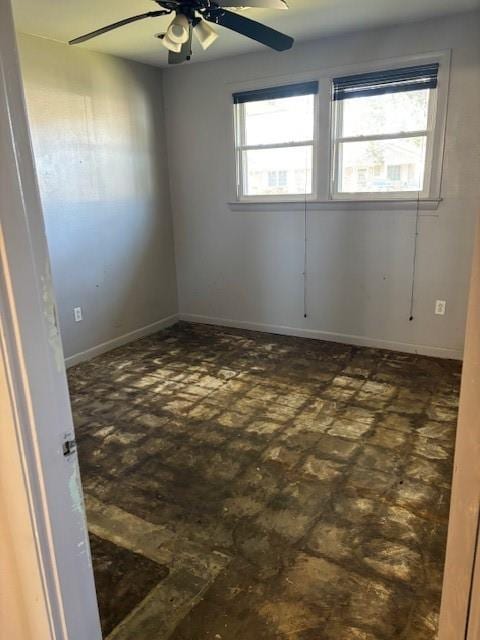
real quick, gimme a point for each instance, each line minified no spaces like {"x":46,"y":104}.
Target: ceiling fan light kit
{"x":178,"y":29}
{"x":205,"y":34}
{"x":195,"y":16}
{"x":168,"y":43}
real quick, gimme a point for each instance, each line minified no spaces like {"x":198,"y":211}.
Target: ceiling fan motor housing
{"x":193,"y":16}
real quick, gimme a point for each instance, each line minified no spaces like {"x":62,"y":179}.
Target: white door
{"x":32,"y":355}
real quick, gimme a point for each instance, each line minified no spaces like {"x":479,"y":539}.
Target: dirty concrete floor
{"x":293,"y":489}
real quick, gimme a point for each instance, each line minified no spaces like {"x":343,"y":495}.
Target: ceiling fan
{"x":196,"y":16}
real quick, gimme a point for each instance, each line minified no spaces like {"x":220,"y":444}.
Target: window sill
{"x":402,"y":204}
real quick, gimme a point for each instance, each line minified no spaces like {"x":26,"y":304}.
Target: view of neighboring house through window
{"x":275,"y":132}
{"x":279,"y":178}
{"x":383,"y":131}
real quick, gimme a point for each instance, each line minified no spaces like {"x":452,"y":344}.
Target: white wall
{"x":97,"y":125}
{"x":244,"y":268}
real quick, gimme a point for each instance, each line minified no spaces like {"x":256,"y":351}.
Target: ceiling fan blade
{"x":116,"y":25}
{"x":185,"y":53}
{"x":250,"y":28}
{"x":254,"y":4}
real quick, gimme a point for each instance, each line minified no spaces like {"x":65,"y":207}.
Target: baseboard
{"x":424,"y":350}
{"x":120,"y":341}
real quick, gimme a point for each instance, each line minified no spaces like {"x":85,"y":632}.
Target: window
{"x":394,"y":172}
{"x":277,"y":178}
{"x":383,"y":133}
{"x":377,"y":135}
{"x":272,"y":178}
{"x":275,"y":141}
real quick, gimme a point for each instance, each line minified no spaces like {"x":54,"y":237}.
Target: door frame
{"x":460,"y":611}
{"x":35,"y":393}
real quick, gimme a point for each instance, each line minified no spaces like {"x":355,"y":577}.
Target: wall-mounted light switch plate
{"x":77,"y":314}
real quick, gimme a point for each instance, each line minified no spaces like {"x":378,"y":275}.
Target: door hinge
{"x":69,"y":446}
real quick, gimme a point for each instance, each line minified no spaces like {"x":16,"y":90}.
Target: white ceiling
{"x":63,"y":20}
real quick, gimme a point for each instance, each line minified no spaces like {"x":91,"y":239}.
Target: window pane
{"x":382,"y":165}
{"x":277,"y":121}
{"x":285,"y":171}
{"x":389,"y":113}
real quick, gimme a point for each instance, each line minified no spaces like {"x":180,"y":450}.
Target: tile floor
{"x":249,"y":486}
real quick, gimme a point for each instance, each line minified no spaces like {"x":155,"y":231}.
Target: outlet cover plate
{"x":440,"y":307}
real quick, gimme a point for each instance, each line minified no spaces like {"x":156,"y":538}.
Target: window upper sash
{"x":389,"y":81}
{"x":274,"y":93}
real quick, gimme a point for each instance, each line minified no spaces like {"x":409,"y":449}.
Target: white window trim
{"x":322,"y":198}
{"x":240,"y":147}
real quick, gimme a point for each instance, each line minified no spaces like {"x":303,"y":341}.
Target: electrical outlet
{"x":77,"y":314}
{"x":440,"y":307}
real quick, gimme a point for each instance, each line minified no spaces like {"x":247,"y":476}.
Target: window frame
{"x":241,"y":147}
{"x":337,"y":139}
{"x":322,"y":197}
